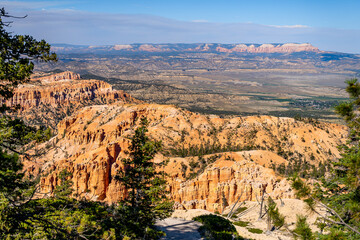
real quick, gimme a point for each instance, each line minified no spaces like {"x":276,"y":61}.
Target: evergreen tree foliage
{"x":302,"y":229}
{"x":17,"y":56}
{"x":339,"y":193}
{"x":277,"y":219}
{"x":24,"y":214}
{"x":146,"y":199}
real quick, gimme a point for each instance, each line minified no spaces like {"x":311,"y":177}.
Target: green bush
{"x":215,"y":223}
{"x":240,"y":210}
{"x":216,"y":228}
{"x":255,"y":230}
{"x":241,"y":223}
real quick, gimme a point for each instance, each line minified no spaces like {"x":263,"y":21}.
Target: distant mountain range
{"x":226,"y":79}
{"x":194,"y":47}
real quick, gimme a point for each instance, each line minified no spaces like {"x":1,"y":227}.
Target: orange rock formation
{"x":47,"y":100}
{"x":92,"y":142}
{"x":264,"y":48}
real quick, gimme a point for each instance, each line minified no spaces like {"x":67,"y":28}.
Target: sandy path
{"x":290,"y":208}
{"x":179,"y":229}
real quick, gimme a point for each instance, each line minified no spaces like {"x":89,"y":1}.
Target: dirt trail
{"x":179,"y":229}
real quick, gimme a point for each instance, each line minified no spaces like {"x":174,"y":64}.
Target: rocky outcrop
{"x":233,"y":180}
{"x":67,"y":75}
{"x":197,"y":47}
{"x":271,"y":48}
{"x":230,"y":48}
{"x":48,"y":99}
{"x":91,"y":144}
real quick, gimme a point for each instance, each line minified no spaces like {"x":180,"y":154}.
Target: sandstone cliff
{"x":92,"y":142}
{"x":48,"y":99}
{"x":196,"y":47}
{"x":231,"y":177}
{"x":271,"y":48}
{"x":229,"y":48}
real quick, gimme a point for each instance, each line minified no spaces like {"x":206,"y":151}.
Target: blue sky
{"x":330,"y":25}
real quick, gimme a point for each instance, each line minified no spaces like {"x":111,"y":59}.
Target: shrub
{"x":302,"y":229}
{"x":217,"y":228}
{"x":241,"y":223}
{"x":255,"y":230}
{"x":240,"y":210}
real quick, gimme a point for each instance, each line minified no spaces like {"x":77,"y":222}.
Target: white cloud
{"x":289,"y":26}
{"x":79,"y":27}
{"x":200,"y":21}
{"x":22,"y":5}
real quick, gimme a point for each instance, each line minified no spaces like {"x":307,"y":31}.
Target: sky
{"x":331,"y":25}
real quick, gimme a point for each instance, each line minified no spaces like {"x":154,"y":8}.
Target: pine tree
{"x":17,"y":54}
{"x":339,"y":194}
{"x":277,"y":219}
{"x":302,"y":230}
{"x":146,"y":200}
{"x":22,"y":215}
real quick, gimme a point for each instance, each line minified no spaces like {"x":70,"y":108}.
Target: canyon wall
{"x":48,"y":99}
{"x":91,"y":143}
{"x":213,"y":161}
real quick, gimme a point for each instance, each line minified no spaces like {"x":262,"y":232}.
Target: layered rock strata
{"x":47,"y":100}
{"x":91,"y":144}
{"x":197,"y":47}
